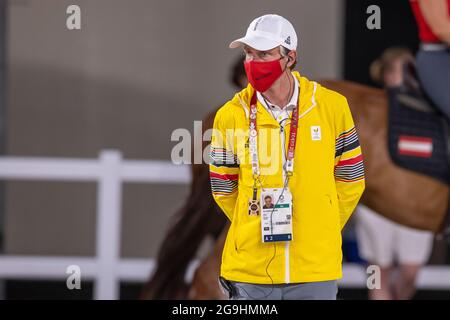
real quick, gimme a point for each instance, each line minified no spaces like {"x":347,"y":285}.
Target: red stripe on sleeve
{"x":224,"y":176}
{"x":350,"y":161}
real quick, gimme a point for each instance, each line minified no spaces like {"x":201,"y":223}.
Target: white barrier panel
{"x":138,"y":270}
{"x":110,"y":171}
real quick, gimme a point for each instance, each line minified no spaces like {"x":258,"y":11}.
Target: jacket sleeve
{"x":348,"y":163}
{"x":224,"y":165}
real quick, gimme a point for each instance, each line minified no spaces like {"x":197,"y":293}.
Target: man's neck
{"x":281,"y":91}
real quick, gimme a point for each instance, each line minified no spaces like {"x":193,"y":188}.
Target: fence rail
{"x":110,"y":171}
{"x":107,"y":269}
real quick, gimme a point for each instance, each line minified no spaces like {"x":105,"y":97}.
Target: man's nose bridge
{"x":252,"y":57}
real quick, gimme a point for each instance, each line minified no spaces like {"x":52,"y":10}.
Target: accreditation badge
{"x":276,"y":214}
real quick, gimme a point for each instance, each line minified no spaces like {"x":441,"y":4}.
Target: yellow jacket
{"x":326,"y":185}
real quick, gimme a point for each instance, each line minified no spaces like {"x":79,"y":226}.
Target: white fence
{"x":107,"y":269}
{"x":109,"y":171}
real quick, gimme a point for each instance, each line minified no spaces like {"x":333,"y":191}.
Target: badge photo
{"x":268,"y":201}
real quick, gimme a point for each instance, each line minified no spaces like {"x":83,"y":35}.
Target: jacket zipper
{"x":313,"y":104}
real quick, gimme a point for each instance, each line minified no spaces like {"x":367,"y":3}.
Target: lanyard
{"x":253,"y":142}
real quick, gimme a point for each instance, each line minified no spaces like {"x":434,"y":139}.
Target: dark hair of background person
{"x":238,"y":72}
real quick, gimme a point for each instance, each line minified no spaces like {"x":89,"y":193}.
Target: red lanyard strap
{"x":292,"y":142}
{"x":253,"y":143}
{"x":254,"y":134}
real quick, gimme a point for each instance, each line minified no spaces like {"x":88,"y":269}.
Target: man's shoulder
{"x":331,"y":96}
{"x":229,"y":107}
{"x":232,"y":109}
{"x":333,"y":101}
{"x":322,"y":94}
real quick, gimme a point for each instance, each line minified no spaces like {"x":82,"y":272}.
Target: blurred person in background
{"x":433,"y":58}
{"x":381,"y":241}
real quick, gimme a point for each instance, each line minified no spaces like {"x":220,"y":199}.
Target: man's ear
{"x":292,"y":57}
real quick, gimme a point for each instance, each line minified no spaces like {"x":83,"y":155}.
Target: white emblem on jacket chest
{"x":315,"y":133}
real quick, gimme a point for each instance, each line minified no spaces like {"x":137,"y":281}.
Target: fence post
{"x":109,"y":205}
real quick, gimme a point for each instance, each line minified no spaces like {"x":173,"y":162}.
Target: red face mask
{"x":262,"y":74}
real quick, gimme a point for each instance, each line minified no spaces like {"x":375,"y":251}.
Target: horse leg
{"x":444,"y":232}
{"x":205,"y":284}
{"x":445,"y":227}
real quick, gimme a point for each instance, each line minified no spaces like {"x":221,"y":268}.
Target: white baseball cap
{"x":267,"y":32}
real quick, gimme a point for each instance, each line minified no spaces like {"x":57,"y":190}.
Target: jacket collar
{"x":289,"y":106}
{"x":307,"y":100}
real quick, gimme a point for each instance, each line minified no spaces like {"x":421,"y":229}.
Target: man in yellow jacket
{"x":287,"y":170}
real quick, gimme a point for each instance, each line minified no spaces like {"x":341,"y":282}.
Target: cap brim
{"x":258,"y":43}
